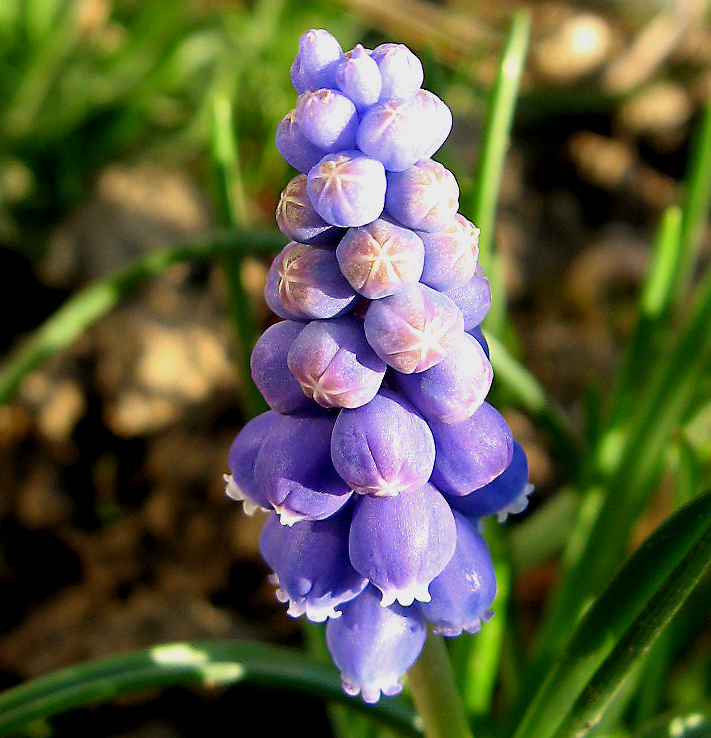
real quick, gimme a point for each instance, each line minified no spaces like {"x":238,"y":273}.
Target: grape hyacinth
{"x":379,"y":455}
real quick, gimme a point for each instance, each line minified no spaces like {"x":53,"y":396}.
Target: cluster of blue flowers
{"x":379,"y":454}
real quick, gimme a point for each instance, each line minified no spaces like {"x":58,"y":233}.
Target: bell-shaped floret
{"x":504,"y":495}
{"x":439,"y":118}
{"x":462,"y":594}
{"x":241,"y":484}
{"x":294,"y":147}
{"x":413,"y":329}
{"x":359,"y":78}
{"x":271,"y":373}
{"x":471,"y":453}
{"x":334,"y":363}
{"x":347,"y":189}
{"x":400,"y":69}
{"x":310,"y":560}
{"x":309,"y":284}
{"x":328,"y":119}
{"x":384,"y":448}
{"x":424,"y":196}
{"x":451,"y":255}
{"x":452,"y":390}
{"x":380,"y":258}
{"x":473,"y":299}
{"x":402,"y":543}
{"x":374,"y":646}
{"x":297,"y":219}
{"x":294,"y":471}
{"x":317,"y":61}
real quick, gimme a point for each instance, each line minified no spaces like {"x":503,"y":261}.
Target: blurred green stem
{"x":435,"y":693}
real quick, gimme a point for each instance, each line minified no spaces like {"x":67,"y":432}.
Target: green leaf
{"x":207,"y":663}
{"x":85,"y":307}
{"x":619,"y":626}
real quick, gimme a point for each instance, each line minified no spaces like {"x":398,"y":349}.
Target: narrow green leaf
{"x":495,"y":145}
{"x":633,"y":646}
{"x":696,"y":208}
{"x":232,"y":201}
{"x":208,"y":663}
{"x":673,"y":551}
{"x":86,"y":306}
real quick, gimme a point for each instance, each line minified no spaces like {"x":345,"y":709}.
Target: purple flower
{"x":471,"y":453}
{"x":425,"y":196}
{"x":462,"y":594}
{"x":240,"y":484}
{"x":328,"y":119}
{"x":359,"y":78}
{"x":504,"y":495}
{"x":473,"y":299}
{"x":383,"y":448}
{"x":347,"y":189}
{"x":334,"y":364}
{"x":309,"y":284}
{"x":374,"y":646}
{"x":311,"y":564}
{"x":297,"y":218}
{"x":451,"y":256}
{"x":454,"y":389}
{"x":400,"y":69}
{"x":271,"y":373}
{"x":402,"y":543}
{"x":413,"y":329}
{"x":317,"y":61}
{"x":300,"y":486}
{"x":381,"y":258}
{"x":296,"y":149}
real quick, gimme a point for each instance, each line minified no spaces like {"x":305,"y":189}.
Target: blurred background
{"x":115,"y":532}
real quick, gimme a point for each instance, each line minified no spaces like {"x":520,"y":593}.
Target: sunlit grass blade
{"x":693,"y":724}
{"x":632,"y":647}
{"x":495,"y":145}
{"x":232,"y":200}
{"x":86,"y":306}
{"x":653,"y":305}
{"x":671,"y":558}
{"x":209,"y":664}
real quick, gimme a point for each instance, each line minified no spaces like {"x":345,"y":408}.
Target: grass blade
{"x":495,"y":145}
{"x":208,"y":663}
{"x":86,"y":306}
{"x":672,"y":557}
{"x":232,"y":201}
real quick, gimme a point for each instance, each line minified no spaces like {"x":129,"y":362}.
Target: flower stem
{"x":434,"y":692}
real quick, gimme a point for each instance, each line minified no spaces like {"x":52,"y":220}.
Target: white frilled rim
{"x":236,"y":494}
{"x":517,"y":505}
